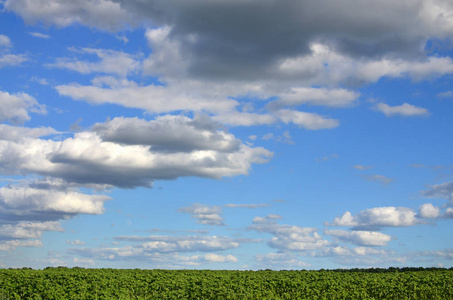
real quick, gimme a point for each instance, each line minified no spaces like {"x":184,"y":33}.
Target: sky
{"x":226,"y":134}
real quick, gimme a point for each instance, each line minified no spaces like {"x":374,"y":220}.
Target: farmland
{"x":80,"y":283}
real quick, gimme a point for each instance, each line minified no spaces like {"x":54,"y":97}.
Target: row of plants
{"x":79,"y":283}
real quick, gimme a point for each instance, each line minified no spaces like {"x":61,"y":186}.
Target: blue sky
{"x":226,"y":134}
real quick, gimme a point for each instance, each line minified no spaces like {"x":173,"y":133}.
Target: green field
{"x":79,"y":283}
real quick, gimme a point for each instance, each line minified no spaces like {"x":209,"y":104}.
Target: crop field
{"x":79,"y":283}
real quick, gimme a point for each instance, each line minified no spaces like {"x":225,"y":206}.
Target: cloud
{"x":5,"y":41}
{"x":310,"y":121}
{"x":29,"y":203}
{"x":379,"y":178}
{"x":374,"y":218}
{"x":278,"y":261}
{"x":75,"y":242}
{"x":428,"y":210}
{"x":362,"y":167}
{"x":443,"y":190}
{"x":360,"y":238}
{"x":86,"y":159}
{"x":287,"y":237}
{"x":110,"y":62}
{"x":14,"y":133}
{"x":103,"y":14}
{"x":169,"y":133}
{"x":245,"y":119}
{"x":28,"y":230}
{"x":250,"y":206}
{"x":152,"y":98}
{"x":13,"y":244}
{"x":15,"y":107}
{"x":40,"y":35}
{"x":207,"y":215}
{"x":157,"y":247}
{"x":405,"y":110}
{"x":316,"y":96}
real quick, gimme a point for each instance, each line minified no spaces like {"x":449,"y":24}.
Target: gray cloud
{"x":169,"y":133}
{"x":443,"y":190}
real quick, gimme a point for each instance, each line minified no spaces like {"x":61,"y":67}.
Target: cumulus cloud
{"x":287,"y":237}
{"x":13,"y":244}
{"x":110,"y":62}
{"x":28,"y":230}
{"x":428,"y":210}
{"x":14,"y":133}
{"x":87,"y":159}
{"x":29,"y":203}
{"x":15,"y":107}
{"x":169,"y":133}
{"x":377,"y":217}
{"x":406,"y":110}
{"x":207,"y":215}
{"x":360,"y":237}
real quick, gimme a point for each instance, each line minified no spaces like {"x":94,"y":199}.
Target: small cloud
{"x":448,"y":94}
{"x":40,"y":35}
{"x":252,"y":137}
{"x":5,"y":41}
{"x":327,"y":157}
{"x":75,"y":242}
{"x":76,"y":125}
{"x":206,"y":215}
{"x":362,"y":167}
{"x":231,"y":205}
{"x":122,"y":38}
{"x":405,"y":110}
{"x":379,"y":178}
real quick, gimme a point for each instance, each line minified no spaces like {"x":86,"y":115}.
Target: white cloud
{"x":87,"y":159}
{"x":316,"y":96}
{"x":15,"y":107}
{"x":379,"y":178}
{"x":250,"y":206}
{"x":207,"y":215}
{"x":13,"y":244}
{"x":378,"y":217}
{"x":75,"y":242}
{"x":428,"y":210}
{"x":287,"y":237}
{"x":28,"y":230}
{"x":152,"y":98}
{"x":244,"y":119}
{"x":103,"y":14}
{"x":360,"y":237}
{"x":27,"y":203}
{"x":110,"y":62}
{"x":406,"y":110}
{"x":278,"y":261}
{"x":310,"y":121}
{"x":40,"y":35}
{"x":362,"y":167}
{"x":14,"y":133}
{"x":12,"y":59}
{"x":5,"y":41}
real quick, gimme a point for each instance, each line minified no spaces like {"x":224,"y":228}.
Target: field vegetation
{"x":80,"y":283}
